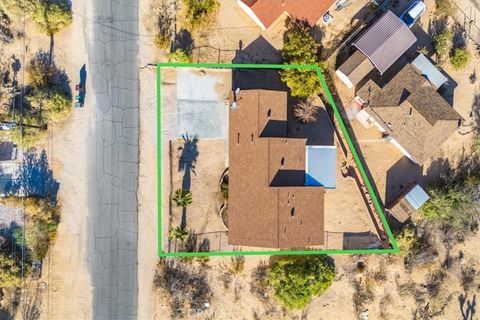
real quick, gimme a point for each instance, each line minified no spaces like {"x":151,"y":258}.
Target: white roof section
{"x":321,"y":166}
{"x":417,"y":10}
{"x":429,"y":71}
{"x":417,"y":197}
{"x":385,"y":41}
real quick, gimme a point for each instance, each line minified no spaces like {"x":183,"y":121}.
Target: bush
{"x":42,"y":218}
{"x":406,"y":240}
{"x":305,"y":111}
{"x":201,"y":13}
{"x":52,"y":104}
{"x":16,"y":8}
{"x":443,"y":41}
{"x":10,"y":272}
{"x":165,"y":24}
{"x":188,"y":288}
{"x":238,"y":264}
{"x":300,"y":48}
{"x":453,"y":207}
{"x":444,"y":8}
{"x":296,"y":280}
{"x":182,"y":198}
{"x":52,"y":16}
{"x":40,"y":70}
{"x":460,"y":58}
{"x":179,"y":56}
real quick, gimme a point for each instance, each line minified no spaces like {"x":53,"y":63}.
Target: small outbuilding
{"x":408,"y":202}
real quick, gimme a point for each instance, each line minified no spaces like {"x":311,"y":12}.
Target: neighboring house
{"x":408,"y":202}
{"x":410,"y":112}
{"x":266,"y":12}
{"x":379,"y":47}
{"x":276,"y":182}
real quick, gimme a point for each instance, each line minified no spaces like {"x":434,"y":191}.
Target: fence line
{"x":470,"y":22}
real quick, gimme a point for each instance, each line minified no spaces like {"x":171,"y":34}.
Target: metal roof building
{"x":408,"y":202}
{"x":321,"y":162}
{"x":429,"y":71}
{"x":385,"y":41}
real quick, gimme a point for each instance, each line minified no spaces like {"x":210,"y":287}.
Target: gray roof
{"x":429,"y":71}
{"x":385,"y":41}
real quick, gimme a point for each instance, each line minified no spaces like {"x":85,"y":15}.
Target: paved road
{"x":112,"y":44}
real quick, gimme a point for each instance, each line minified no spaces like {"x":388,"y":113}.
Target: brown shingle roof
{"x":412,"y":111}
{"x":267,"y":11}
{"x":268,"y":204}
{"x":356,"y":67}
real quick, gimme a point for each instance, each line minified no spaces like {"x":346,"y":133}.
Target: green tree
{"x":296,"y":280}
{"x":10,"y":276}
{"x":300,"y":48}
{"x":201,"y":13}
{"x":460,"y":58}
{"x":443,"y":41}
{"x":182,"y":198}
{"x":52,"y":16}
{"x":40,"y":70}
{"x":52,"y":103}
{"x":179,"y":56}
{"x":178,"y":233}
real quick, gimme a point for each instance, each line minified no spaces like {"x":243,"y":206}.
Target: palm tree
{"x":178,"y":233}
{"x":306,"y":111}
{"x":182,"y":198}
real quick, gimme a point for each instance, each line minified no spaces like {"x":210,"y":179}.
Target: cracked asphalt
{"x":112,"y":45}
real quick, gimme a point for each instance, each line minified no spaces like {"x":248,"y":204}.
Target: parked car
{"x":415,"y":11}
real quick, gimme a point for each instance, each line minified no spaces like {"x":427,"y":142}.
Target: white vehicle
{"x":415,"y":11}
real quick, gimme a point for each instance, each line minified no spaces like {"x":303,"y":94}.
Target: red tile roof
{"x":267,"y":11}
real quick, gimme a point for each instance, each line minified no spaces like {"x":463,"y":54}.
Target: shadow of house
{"x":258,"y":51}
{"x":186,"y":164}
{"x":399,"y":176}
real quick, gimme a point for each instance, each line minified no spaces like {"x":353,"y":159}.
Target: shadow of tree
{"x":186,"y":164}
{"x":467,"y":311}
{"x":184,"y":41}
{"x":35,"y":178}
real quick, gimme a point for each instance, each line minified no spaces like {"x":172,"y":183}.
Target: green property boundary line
{"x":317,"y":69}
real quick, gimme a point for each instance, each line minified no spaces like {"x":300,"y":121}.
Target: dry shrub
{"x":362,"y":295}
{"x":187,"y":287}
{"x":467,"y":275}
{"x":306,"y":111}
{"x":384,"y":302}
{"x":259,"y":285}
{"x":238,"y":264}
{"x":434,"y":282}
